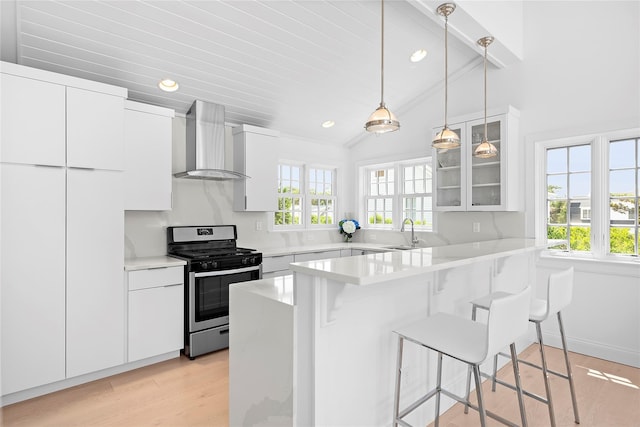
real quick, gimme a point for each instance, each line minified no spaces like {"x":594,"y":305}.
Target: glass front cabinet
{"x":463,"y":182}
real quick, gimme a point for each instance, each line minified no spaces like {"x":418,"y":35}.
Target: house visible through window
{"x":592,"y":194}
{"x":397,"y":191}
{"x":306,"y":196}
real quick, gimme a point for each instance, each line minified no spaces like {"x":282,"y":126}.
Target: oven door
{"x":209,"y":295}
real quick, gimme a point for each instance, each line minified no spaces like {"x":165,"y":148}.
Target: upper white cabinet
{"x":147,"y":171}
{"x":95,"y":130}
{"x":463,"y":182}
{"x":255,"y":155}
{"x":33,"y":121}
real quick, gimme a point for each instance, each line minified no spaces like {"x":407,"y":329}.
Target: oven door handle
{"x":227,"y":272}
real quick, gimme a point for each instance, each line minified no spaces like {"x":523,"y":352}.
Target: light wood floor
{"x":181,"y":392}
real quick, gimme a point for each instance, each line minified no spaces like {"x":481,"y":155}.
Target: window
{"x":590,"y":187}
{"x":305,"y":199}
{"x":397,"y":191}
{"x":321,"y":196}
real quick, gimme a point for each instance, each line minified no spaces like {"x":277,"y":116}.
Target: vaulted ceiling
{"x":284,"y":65}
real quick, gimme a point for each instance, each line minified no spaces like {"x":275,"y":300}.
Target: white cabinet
{"x":95,"y":257}
{"x":62,"y":308}
{"x":463,"y":182}
{"x":95,"y":130}
{"x":273,"y":266}
{"x":32,"y":315}
{"x":147,"y":171}
{"x":33,"y":121}
{"x":255,"y":155}
{"x":155,"y":312}
{"x":313,"y":256}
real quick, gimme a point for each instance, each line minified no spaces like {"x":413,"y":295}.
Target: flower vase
{"x":347,"y":239}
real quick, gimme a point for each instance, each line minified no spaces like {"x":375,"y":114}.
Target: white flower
{"x":349,"y":227}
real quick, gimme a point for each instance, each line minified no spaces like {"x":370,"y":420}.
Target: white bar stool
{"x":559,"y":295}
{"x":469,"y":342}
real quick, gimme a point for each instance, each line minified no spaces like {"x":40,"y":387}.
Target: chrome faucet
{"x":414,"y":239}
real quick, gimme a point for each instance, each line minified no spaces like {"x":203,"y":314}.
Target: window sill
{"x":604,"y":266}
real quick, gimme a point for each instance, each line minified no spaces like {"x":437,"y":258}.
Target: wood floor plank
{"x":183,"y":392}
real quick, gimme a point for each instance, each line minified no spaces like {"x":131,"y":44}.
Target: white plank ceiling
{"x":284,"y":65}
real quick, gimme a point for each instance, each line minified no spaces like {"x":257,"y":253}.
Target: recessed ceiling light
{"x":418,"y":55}
{"x":328,"y":124}
{"x":168,"y":85}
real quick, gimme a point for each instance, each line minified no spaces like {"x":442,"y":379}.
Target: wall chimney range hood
{"x":205,"y":144}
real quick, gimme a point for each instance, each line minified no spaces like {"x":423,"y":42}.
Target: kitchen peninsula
{"x":317,"y":348}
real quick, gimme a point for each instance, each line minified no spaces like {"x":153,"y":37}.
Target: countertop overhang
{"x":382,"y":267}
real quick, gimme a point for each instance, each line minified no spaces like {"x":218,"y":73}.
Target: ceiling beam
{"x":473,"y":20}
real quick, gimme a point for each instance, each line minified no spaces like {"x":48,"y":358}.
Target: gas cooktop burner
{"x":212,"y":253}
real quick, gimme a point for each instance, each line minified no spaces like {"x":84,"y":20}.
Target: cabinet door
{"x":95,"y":262}
{"x":147,"y":161}
{"x":313,"y":256}
{"x":33,"y":285}
{"x":33,"y":125}
{"x":156,"y":319}
{"x":449,"y":177}
{"x":256,"y":156}
{"x":95,"y":130}
{"x":485,"y":176}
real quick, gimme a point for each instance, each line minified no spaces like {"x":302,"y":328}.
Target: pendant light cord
{"x":446,"y":69}
{"x":382,"y":56}
{"x":486,"y":137}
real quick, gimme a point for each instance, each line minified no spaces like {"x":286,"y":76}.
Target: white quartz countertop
{"x":382,"y":267}
{"x":286,"y":250}
{"x":276,"y":288}
{"x":143,"y":263}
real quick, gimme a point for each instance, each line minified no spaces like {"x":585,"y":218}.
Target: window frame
{"x":306,"y":197}
{"x":600,"y":215}
{"x":398,"y":193}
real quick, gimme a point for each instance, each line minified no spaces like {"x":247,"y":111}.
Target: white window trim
{"x":599,"y":192}
{"x":306,"y":200}
{"x":363,"y":176}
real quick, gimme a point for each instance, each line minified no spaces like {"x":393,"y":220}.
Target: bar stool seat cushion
{"x":454,"y":336}
{"x":537,"y":307}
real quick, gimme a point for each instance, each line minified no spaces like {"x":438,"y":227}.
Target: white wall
{"x":200,"y":202}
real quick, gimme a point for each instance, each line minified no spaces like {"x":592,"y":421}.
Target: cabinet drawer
{"x":276,"y":263}
{"x":155,"y":277}
{"x":312,"y":256}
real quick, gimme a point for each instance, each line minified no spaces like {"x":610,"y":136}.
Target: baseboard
{"x":20,"y":396}
{"x":595,"y":349}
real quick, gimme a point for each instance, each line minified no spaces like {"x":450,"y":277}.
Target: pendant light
{"x":446,"y":138}
{"x":382,"y":120}
{"x":486,"y":149}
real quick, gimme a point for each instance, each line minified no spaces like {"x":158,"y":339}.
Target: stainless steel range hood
{"x":205,"y":144}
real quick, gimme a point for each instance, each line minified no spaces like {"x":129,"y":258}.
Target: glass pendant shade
{"x":382,"y":120}
{"x":446,"y":138}
{"x":485,"y":150}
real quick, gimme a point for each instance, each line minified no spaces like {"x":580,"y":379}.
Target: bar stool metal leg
{"x":466,"y":395}
{"x":481,"y":410}
{"x":516,"y":375}
{"x":545,"y":374}
{"x":396,"y":396}
{"x":438,"y":390}
{"x":574,"y":401}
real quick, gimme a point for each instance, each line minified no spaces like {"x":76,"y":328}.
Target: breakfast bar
{"x":316,"y":348}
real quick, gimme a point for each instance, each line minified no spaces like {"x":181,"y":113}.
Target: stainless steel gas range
{"x":213,"y":263}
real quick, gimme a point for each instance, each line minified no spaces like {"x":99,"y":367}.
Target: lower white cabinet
{"x":155,"y":312}
{"x":274,"y":266}
{"x":313,"y":256}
